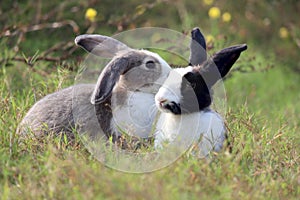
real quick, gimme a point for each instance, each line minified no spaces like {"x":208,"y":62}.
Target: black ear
{"x":108,"y":78}
{"x":100,"y":45}
{"x":197,"y":48}
{"x":225,"y":58}
{"x":220,"y":63}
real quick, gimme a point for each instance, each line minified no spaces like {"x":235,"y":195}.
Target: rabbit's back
{"x":54,"y":112}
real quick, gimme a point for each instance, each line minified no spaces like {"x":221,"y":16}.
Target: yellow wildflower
{"x":208,"y":2}
{"x":283,"y":33}
{"x":91,"y":14}
{"x":214,"y":12}
{"x":226,"y":17}
{"x":140,"y":9}
{"x":210,"y":39}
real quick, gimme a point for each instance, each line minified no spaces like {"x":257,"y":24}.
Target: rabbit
{"x":185,"y":98}
{"x":129,"y":81}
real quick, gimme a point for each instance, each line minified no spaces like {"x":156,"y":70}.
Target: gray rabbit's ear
{"x":108,"y":79}
{"x":219,"y":65}
{"x":100,"y":45}
{"x":198,"y":53}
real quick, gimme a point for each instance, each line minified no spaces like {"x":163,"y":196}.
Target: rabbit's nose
{"x":161,"y":101}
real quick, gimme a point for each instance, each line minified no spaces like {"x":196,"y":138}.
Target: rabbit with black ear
{"x":121,"y":98}
{"x":185,"y":98}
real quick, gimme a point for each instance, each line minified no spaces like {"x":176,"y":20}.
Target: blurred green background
{"x":38,"y":56}
{"x":270,"y":26}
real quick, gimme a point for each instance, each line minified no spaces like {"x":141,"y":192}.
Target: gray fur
{"x":127,"y":73}
{"x":88,"y":107}
{"x":53,"y":113}
{"x":137,"y":71}
{"x":108,"y":78}
{"x":100,"y":45}
{"x":129,"y":70}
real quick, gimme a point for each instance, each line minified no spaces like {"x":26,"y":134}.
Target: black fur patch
{"x":173,"y":107}
{"x":195,"y":93}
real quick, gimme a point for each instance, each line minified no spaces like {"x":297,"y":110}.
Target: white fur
{"x":204,"y":131}
{"x":136,"y":116}
{"x":171,"y":88}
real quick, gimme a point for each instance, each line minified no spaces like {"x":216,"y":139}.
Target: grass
{"x":262,"y":112}
{"x":264,"y":163}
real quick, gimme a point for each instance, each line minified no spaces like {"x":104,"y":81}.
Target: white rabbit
{"x":185,"y":98}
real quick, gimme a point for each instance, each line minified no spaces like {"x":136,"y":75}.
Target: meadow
{"x":38,"y":57}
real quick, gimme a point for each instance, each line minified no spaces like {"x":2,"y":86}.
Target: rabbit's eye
{"x":150,"y":64}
